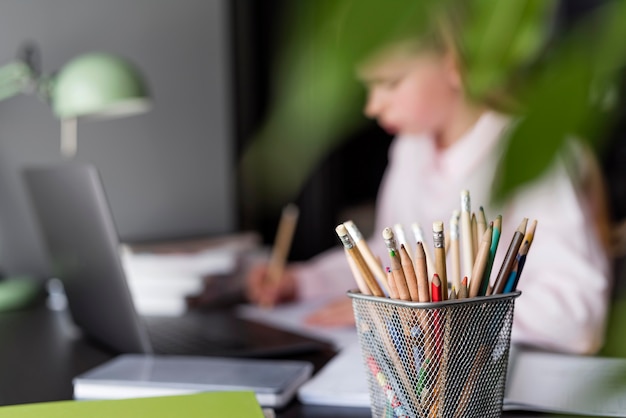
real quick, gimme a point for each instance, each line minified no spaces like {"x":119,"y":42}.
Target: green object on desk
{"x":202,"y":405}
{"x":17,"y":292}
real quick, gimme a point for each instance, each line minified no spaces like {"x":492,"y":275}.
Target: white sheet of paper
{"x":549,"y":382}
{"x":342,"y":382}
{"x":291,"y":317}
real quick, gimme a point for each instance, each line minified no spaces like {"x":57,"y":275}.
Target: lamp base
{"x":18,"y":292}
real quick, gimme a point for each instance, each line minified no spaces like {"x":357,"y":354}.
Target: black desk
{"x":41,"y":351}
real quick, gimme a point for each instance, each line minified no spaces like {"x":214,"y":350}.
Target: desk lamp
{"x":93,"y":85}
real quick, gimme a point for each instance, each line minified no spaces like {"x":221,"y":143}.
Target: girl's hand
{"x":261,"y":292}
{"x":337,"y":313}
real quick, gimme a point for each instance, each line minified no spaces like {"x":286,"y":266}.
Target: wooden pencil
{"x":419,"y":237}
{"x":454,"y":253}
{"x":530,"y":233}
{"x":466,"y":234}
{"x":440,"y":257}
{"x":509,"y":258}
{"x":529,"y":237}
{"x":520,"y":260}
{"x":354,"y":253}
{"x":481,"y":222}
{"x":512,"y":280}
{"x":421,"y":273}
{"x":480,"y":263}
{"x":282,"y":243}
{"x":475,"y":237}
{"x":372,"y":262}
{"x":462,"y":292}
{"x":396,"y":265}
{"x":495,"y":240}
{"x":409,"y":273}
{"x":358,"y":277}
{"x":398,"y":231}
{"x":489,"y":291}
{"x":393,"y":290}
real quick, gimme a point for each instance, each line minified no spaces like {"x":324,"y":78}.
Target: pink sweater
{"x":565,"y":283}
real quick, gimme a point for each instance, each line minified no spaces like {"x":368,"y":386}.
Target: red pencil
{"x":436,"y":288}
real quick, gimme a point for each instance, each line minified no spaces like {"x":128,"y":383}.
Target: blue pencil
{"x":520,"y":260}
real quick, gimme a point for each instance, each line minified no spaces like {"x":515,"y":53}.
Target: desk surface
{"x":41,"y":351}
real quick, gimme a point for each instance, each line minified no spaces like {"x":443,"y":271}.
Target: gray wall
{"x":168,"y":172}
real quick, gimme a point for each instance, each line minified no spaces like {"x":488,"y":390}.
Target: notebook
{"x":224,"y":404}
{"x":536,"y":381}
{"x":78,"y":230}
{"x":341,"y":382}
{"x":136,"y":375}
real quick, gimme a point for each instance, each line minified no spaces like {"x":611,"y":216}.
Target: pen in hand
{"x":280,"y":251}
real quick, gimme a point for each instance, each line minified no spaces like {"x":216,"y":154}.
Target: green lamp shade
{"x":98,"y":85}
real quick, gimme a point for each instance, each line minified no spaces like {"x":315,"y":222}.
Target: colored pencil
{"x":436,"y":288}
{"x":509,"y":259}
{"x":396,"y":265}
{"x":495,"y":239}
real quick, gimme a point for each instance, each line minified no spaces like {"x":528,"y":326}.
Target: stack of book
{"x":163,"y":276}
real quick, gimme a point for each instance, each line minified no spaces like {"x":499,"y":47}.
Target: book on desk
{"x":205,"y":405}
{"x":274,"y":382}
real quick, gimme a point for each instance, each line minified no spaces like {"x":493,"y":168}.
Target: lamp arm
{"x":16,"y":77}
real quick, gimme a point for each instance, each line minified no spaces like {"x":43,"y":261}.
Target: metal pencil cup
{"x":435,"y":360}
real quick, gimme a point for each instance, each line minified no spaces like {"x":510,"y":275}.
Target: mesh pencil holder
{"x":435,"y":360}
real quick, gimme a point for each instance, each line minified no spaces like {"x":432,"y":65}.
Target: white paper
{"x":342,"y":382}
{"x":291,"y":317}
{"x":564,"y":383}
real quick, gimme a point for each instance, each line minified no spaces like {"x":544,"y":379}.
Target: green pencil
{"x":495,"y":238}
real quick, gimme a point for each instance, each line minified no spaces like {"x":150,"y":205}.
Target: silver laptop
{"x":77,"y":227}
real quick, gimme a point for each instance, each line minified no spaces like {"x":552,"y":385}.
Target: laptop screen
{"x":77,"y":227}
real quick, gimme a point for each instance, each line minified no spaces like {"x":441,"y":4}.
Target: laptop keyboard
{"x":222,"y":334}
{"x":191,"y":335}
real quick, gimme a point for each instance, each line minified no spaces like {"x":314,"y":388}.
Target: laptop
{"x":79,"y":233}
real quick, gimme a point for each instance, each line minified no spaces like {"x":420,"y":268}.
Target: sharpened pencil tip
{"x":436,"y":280}
{"x":522,"y":226}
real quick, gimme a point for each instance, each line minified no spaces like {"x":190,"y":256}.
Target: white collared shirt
{"x":565,"y":282}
